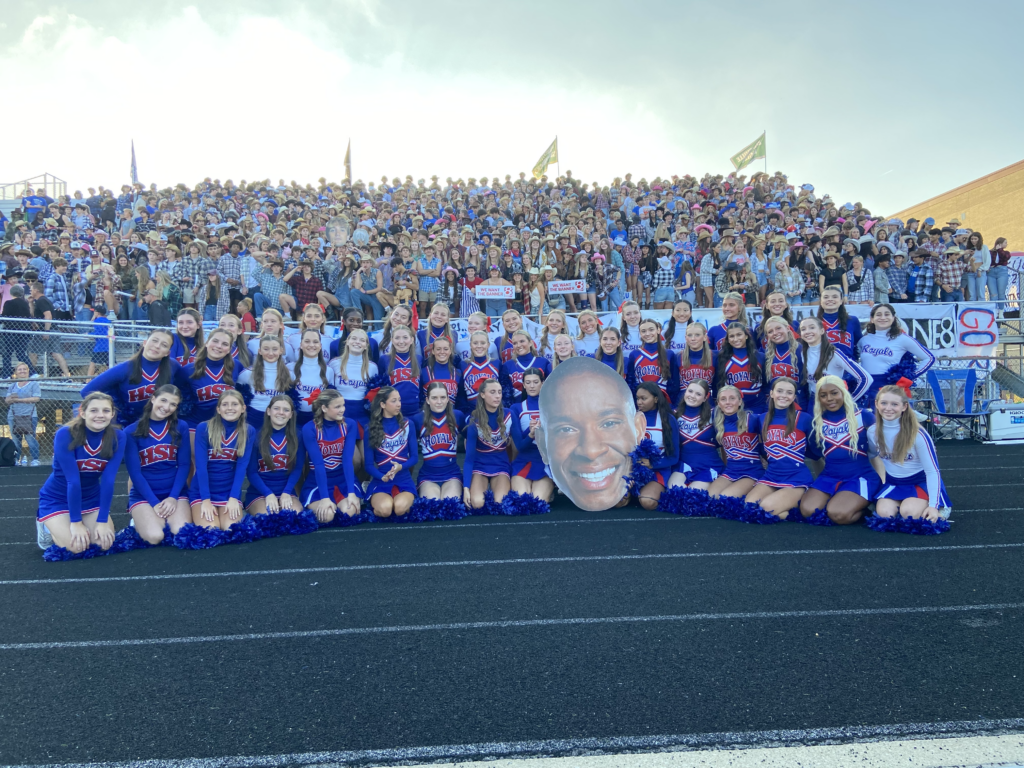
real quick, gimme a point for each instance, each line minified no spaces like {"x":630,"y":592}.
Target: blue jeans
{"x":956,"y":295}
{"x":718,"y":299}
{"x":997,"y":279}
{"x":33,"y":444}
{"x":614,"y":299}
{"x":346,"y":297}
{"x":976,"y":286}
{"x":370,"y":301}
{"x":210,"y":313}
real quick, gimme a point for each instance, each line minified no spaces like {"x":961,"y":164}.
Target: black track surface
{"x":460,"y":685}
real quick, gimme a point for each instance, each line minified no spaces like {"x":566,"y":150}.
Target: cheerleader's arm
{"x":242,"y":463}
{"x":414,"y":453}
{"x":134,"y":467}
{"x":369,"y":462}
{"x":300,"y":462}
{"x":351,"y":438}
{"x":467,"y":465}
{"x":925,"y":359}
{"x":202,"y":458}
{"x":926,"y":450}
{"x":65,"y":458}
{"x":316,"y":458}
{"x":109,"y":476}
{"x":862,"y":378}
{"x":253,"y":473}
{"x":184,"y":460}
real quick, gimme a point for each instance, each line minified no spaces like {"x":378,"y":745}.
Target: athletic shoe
{"x":34,"y":463}
{"x":43,"y":537}
{"x":24,"y":461}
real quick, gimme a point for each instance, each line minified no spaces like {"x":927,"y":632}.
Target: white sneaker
{"x":23,"y":461}
{"x":34,"y":463}
{"x":43,"y":537}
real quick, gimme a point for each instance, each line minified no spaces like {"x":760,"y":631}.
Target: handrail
{"x":51,"y":185}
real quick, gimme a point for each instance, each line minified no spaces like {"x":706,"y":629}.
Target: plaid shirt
{"x":664,"y":278}
{"x":194,"y":271}
{"x":229,"y":268}
{"x":898,"y":277}
{"x":305,"y":290}
{"x":271,"y":287}
{"x":924,"y":281}
{"x":429,"y":284}
{"x":949,"y":273}
{"x":58,"y":292}
{"x":636,"y":230}
{"x":865,"y":290}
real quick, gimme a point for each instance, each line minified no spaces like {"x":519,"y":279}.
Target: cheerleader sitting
{"x":402,"y":367}
{"x":487,"y":465}
{"x":905,"y":455}
{"x":661,"y":428}
{"x":883,"y":347}
{"x":738,"y":432}
{"x":158,"y":463}
{"x":223,"y":447}
{"x":268,"y":378}
{"x":276,"y":462}
{"x":700,"y":458}
{"x":479,"y":368}
{"x":329,"y":440}
{"x":528,"y":475}
{"x":784,"y":435}
{"x":439,"y":476}
{"x":74,"y":502}
{"x":390,"y":450}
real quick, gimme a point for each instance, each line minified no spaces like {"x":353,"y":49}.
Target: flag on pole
{"x":749,"y":154}
{"x":135,"y":168}
{"x":348,"y":161}
{"x":550,"y":157}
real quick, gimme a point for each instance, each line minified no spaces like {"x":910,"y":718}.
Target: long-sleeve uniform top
{"x":159,"y":461}
{"x":81,"y":480}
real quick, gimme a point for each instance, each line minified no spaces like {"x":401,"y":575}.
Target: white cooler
{"x":1005,"y":421}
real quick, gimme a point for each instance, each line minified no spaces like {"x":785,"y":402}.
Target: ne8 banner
{"x":495,"y":292}
{"x":567,"y":286}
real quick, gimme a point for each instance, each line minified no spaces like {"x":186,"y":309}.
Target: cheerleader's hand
{"x":351,"y":505}
{"x":104,"y":534}
{"x":272,"y":503}
{"x":207,"y":511}
{"x":233,"y":508}
{"x":324,"y":510}
{"x":80,"y":537}
{"x":165,"y":508}
{"x":646,"y":462}
{"x":465,"y":496}
{"x":289,"y":502}
{"x":931,"y":514}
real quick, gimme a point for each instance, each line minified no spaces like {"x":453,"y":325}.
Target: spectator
{"x":978,"y":261}
{"x":897,"y":274}
{"x":833,"y":274}
{"x":22,"y":417}
{"x":45,"y":343}
{"x":14,"y":342}
{"x":882,"y":287}
{"x":998,"y":273}
{"x":920,"y":277}
{"x":158,"y":313}
{"x":103,"y":330}
{"x":948,"y":275}
{"x":860,"y":282}
{"x":305,"y":285}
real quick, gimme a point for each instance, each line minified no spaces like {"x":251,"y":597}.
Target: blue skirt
{"x":51,"y":505}
{"x":253,"y":417}
{"x":866,"y":486}
{"x":135,"y":498}
{"x":913,"y":487}
{"x":336,"y":487}
{"x":529,"y":466}
{"x":219,"y":495}
{"x":400,"y":483}
{"x":798,"y":477}
{"x":743,"y":470}
{"x":275,"y":481}
{"x":440,"y":473}
{"x":705,"y":475}
{"x":492,"y":464}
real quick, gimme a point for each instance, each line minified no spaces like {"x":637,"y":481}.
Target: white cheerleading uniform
{"x":839,"y":365}
{"x":261,"y":398}
{"x":588,"y":345}
{"x":879,"y":353}
{"x":918,"y":476}
{"x":631,"y":341}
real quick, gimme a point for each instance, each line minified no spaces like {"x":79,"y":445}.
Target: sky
{"x":882,"y":102}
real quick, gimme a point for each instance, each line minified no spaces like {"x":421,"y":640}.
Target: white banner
{"x":495,"y":292}
{"x":567,"y":286}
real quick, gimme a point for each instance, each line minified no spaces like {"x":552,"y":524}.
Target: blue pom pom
{"x":451,"y":509}
{"x":820,"y":517}
{"x":727,"y":507}
{"x":640,"y":475}
{"x":921,"y":527}
{"x":287,"y":522}
{"x":881,"y":524}
{"x":687,"y":502}
{"x":192,"y":536}
{"x":305,"y":522}
{"x":55,"y":554}
{"x":523,"y":504}
{"x":341,"y":520}
{"x":242,"y":532}
{"x":755,"y":514}
{"x":246,"y":391}
{"x":491,"y":507}
{"x":128,"y":539}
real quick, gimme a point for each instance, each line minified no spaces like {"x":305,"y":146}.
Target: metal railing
{"x":45,"y":183}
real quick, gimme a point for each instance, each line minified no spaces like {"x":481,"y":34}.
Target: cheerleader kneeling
{"x":700,"y":458}
{"x":528,"y":473}
{"x":738,"y":432}
{"x":329,"y":441}
{"x":223,"y":446}
{"x":660,"y":427}
{"x":440,"y":476}
{"x":390,"y":452}
{"x":487,"y":466}
{"x":276,"y":462}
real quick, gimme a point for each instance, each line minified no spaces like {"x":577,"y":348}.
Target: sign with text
{"x":495,"y":292}
{"x":567,"y":286}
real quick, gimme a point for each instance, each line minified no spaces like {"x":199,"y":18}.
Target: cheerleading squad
{"x":324,"y":424}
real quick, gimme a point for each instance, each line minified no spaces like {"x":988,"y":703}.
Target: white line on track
{"x":510,"y":624}
{"x":512,"y":561}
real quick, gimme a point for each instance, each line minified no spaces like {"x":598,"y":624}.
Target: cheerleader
{"x":487,"y":465}
{"x":310,"y":375}
{"x":74,"y":502}
{"x":223,"y":447}
{"x":352,"y":320}
{"x":402,"y":367}
{"x":841,"y":329}
{"x":390,"y":449}
{"x":738,"y":432}
{"x":478,"y":369}
{"x":610,"y":351}
{"x":784,"y":433}
{"x":399,"y":316}
{"x":848,"y":482}
{"x":158,"y":463}
{"x":438,"y":326}
{"x":313,"y":319}
{"x":697,"y":361}
{"x":528,"y":474}
{"x":524,"y":357}
{"x":663,"y":430}
{"x":912,"y":485}
{"x":268,"y":378}
{"x":272,"y":325}
{"x":188,"y":340}
{"x":883,"y":348}
{"x":740,"y":365}
{"x":564,"y":348}
{"x":822,"y":358}
{"x":775,"y":306}
{"x":783,"y":357}
{"x":209,"y":376}
{"x":329,"y":441}
{"x":239,"y":351}
{"x":475,"y":322}
{"x":676,"y":326}
{"x":276,"y":462}
{"x":734,"y":311}
{"x":554,"y":324}
{"x":653,"y":363}
{"x":439,"y":476}
{"x":700,"y":458}
{"x":133,"y":382}
{"x":442,"y":367}
{"x":511,"y":322}
{"x":589,"y":338}
{"x":629,"y":331}
{"x":353,"y":373}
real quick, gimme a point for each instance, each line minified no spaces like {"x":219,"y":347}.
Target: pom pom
{"x":881,"y":524}
{"x":55,"y":554}
{"x":640,"y":475}
{"x":192,"y":536}
{"x":451,"y":509}
{"x":128,"y":539}
{"x":687,"y":502}
{"x":820,"y":517}
{"x":341,"y":520}
{"x":305,"y":522}
{"x":287,"y":522}
{"x":755,"y":514}
{"x":523,"y":504}
{"x":242,"y":532}
{"x":917,"y":526}
{"x":491,"y":507}
{"x":246,"y":392}
{"x":188,"y":403}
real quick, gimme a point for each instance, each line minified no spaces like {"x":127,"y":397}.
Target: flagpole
{"x":558,"y":168}
{"x":765,"y":134}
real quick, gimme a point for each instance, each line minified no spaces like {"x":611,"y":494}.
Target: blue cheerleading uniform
{"x":426,"y":337}
{"x":846,"y":469}
{"x":762,"y":339}
{"x":337,"y":348}
{"x":717,"y":334}
{"x":742,"y":449}
{"x":205,"y":389}
{"x":609,"y":360}
{"x":274,"y":478}
{"x":691,"y":370}
{"x":82,"y":481}
{"x":642,"y":365}
{"x":158,"y":463}
{"x":787,"y":365}
{"x":219,"y":477}
{"x":700,"y":457}
{"x":474,"y":373}
{"x":528,"y":463}
{"x":405,"y":380}
{"x":505,"y":349}
{"x":845,"y":339}
{"x":658,"y":433}
{"x":184,"y":352}
{"x":452,"y":380}
{"x":129,"y":398}
{"x":786,"y":453}
{"x":487,"y":455}
{"x":737,"y":371}
{"x":399,"y":445}
{"x":331,"y":471}
{"x":511,"y":376}
{"x":438,"y":445}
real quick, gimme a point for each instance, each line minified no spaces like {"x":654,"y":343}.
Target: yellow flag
{"x":550,"y":157}
{"x":348,"y":161}
{"x":749,"y":154}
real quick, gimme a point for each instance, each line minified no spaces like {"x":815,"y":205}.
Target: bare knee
{"x":648,"y":503}
{"x":152,"y":536}
{"x":476,"y":500}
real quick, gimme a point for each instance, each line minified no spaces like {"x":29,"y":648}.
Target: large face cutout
{"x":337,"y":231}
{"x":589,"y":427}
